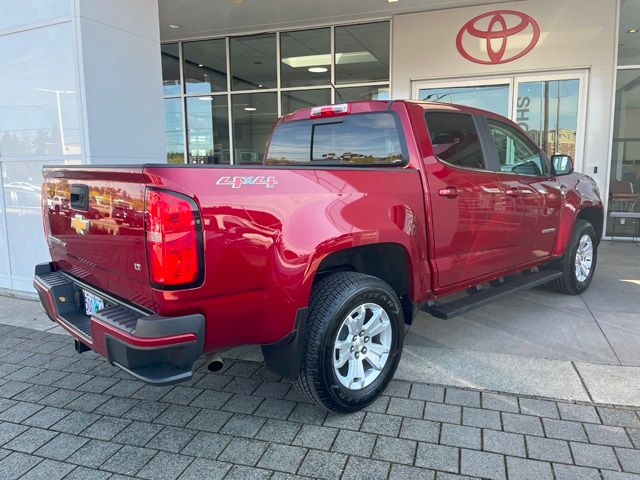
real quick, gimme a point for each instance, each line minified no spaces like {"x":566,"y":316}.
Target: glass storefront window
{"x":208,"y":126}
{"x":629,"y":33}
{"x":170,"y":55}
{"x":362,"y":53}
{"x":253,"y":62}
{"x":240,"y":76}
{"x":548,"y":112}
{"x":624,"y":183}
{"x":297,"y":99}
{"x":354,"y":94}
{"x":22,"y":214}
{"x":205,"y":66}
{"x":494,"y":98}
{"x":39,"y":113}
{"x":253,"y":118}
{"x":17,"y":14}
{"x":305,"y":58}
{"x":174,"y":132}
{"x":546,"y":109}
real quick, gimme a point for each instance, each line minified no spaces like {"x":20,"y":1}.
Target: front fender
{"x":581,"y":194}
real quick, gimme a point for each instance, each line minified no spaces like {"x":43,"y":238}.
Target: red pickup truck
{"x":360,"y":215}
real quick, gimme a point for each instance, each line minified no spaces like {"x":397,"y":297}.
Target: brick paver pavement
{"x":69,"y":416}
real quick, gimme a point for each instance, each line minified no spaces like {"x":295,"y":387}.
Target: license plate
{"x":92,"y":303}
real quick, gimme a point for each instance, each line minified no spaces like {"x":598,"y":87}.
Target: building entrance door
{"x":549,"y":107}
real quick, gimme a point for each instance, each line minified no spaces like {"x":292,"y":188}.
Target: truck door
{"x":467,"y":204}
{"x":533,"y":196}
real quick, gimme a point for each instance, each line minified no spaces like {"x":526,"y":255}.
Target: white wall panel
{"x":121,"y":81}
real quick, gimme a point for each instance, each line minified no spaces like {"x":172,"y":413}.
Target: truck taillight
{"x":174,"y":240}
{"x":330,"y":110}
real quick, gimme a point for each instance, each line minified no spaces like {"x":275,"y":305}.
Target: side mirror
{"x":562,"y":164}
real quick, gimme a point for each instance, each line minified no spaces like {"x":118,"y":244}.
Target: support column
{"x":120,"y":79}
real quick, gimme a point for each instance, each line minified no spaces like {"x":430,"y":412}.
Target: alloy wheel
{"x":362,"y":346}
{"x":584,"y":258}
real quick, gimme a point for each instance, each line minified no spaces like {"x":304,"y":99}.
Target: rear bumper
{"x":158,"y":350}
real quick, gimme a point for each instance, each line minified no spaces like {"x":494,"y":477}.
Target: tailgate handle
{"x":79,"y":198}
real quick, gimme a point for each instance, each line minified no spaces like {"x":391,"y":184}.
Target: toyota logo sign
{"x":486,"y":38}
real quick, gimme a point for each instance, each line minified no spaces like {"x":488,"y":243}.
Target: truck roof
{"x":364,"y":106}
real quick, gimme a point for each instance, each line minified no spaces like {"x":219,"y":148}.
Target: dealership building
{"x":202,"y":81}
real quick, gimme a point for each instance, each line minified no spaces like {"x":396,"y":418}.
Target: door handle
{"x":450,"y":192}
{"x":513,"y":192}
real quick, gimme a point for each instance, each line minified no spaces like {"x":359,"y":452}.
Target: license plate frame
{"x":92,"y":302}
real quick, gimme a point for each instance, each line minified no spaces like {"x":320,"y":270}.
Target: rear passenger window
{"x":455,"y":139}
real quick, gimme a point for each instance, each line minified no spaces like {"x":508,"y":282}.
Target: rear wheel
{"x":579,"y":261}
{"x":353,"y":341}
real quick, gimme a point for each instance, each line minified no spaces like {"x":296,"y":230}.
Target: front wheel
{"x":353,"y":341}
{"x":579,"y":261}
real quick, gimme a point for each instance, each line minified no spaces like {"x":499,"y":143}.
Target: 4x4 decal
{"x":237,"y":182}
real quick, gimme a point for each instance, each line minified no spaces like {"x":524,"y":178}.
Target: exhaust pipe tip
{"x":215,"y":365}
{"x":214,"y":362}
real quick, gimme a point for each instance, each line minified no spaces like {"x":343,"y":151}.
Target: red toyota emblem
{"x":495,"y":30}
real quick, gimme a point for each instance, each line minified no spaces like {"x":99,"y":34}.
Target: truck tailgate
{"x":101,"y":242}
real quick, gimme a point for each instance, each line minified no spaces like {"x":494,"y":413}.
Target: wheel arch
{"x":595,"y":216}
{"x":593,"y":213}
{"x":388,"y":261}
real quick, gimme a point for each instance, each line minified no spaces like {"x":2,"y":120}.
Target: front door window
{"x":515,"y":153}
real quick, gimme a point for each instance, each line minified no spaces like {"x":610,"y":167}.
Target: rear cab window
{"x":455,"y":139}
{"x":361,"y":139}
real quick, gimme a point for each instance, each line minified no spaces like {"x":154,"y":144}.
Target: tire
{"x":571,"y":283}
{"x":337,"y":305}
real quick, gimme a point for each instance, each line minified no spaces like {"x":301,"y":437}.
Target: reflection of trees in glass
{"x":10,"y":144}
{"x":175,"y":157}
{"x":173,"y":130}
{"x":361,"y":158}
{"x":39,"y":142}
{"x":548,"y":111}
{"x":347,"y":158}
{"x":565,"y":145}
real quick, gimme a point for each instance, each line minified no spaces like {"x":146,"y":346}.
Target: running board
{"x":462,"y":305}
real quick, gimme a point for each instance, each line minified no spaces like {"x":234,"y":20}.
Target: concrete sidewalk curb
{"x":612,"y":384}
{"x":513,"y":374}
{"x":498,"y":372}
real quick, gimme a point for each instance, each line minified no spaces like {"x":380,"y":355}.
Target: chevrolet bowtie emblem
{"x":80,"y":224}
